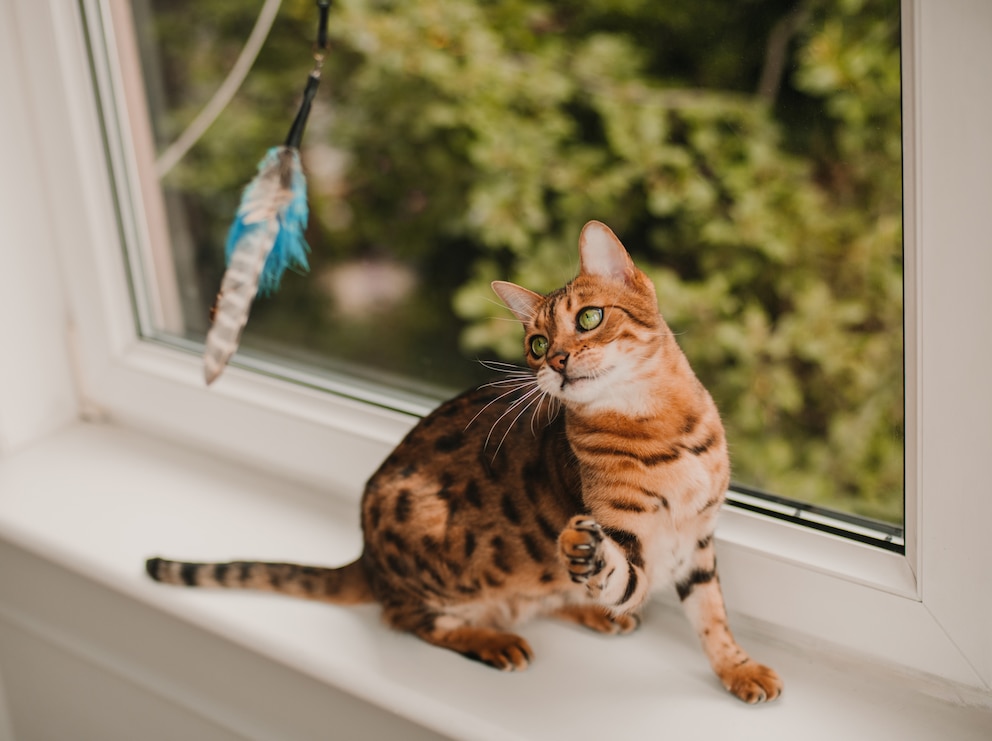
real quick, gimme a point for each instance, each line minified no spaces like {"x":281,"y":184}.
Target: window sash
{"x":926,"y":609}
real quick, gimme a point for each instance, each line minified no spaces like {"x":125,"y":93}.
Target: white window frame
{"x":928,"y":611}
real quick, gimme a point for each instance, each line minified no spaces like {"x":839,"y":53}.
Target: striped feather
{"x":265,"y":239}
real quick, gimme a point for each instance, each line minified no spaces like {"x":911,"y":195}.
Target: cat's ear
{"x":602,"y":254}
{"x":520,"y":301}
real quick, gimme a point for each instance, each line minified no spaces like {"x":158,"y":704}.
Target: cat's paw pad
{"x":752,"y":682}
{"x":581,"y":547}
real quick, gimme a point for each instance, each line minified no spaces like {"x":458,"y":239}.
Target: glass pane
{"x":748,"y":155}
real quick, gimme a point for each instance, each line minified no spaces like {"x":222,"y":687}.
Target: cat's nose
{"x":558,"y":360}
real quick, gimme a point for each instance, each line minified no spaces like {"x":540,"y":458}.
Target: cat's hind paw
{"x":581,"y":548}
{"x":600,"y":619}
{"x":504,"y":651}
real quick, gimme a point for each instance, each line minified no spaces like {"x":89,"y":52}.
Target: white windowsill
{"x":95,"y":500}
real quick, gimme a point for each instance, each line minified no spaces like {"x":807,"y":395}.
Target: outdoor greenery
{"x":747,"y":153}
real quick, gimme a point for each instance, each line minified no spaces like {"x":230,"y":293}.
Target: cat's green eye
{"x":539,"y":346}
{"x":590,"y":317}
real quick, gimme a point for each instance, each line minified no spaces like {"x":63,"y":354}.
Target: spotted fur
{"x":573,"y":488}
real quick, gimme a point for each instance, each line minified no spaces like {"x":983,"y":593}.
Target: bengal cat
{"x":497,"y":506}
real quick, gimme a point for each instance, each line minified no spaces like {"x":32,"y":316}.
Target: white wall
{"x":36,"y":391}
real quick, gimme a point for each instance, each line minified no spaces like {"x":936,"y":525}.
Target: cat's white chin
{"x":610,"y":389}
{"x":576,"y":389}
{"x":580,"y":394}
{"x":580,"y":391}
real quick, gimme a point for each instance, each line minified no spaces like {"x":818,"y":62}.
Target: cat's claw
{"x":580,"y":544}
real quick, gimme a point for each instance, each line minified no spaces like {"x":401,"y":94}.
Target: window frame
{"x":920,"y":611}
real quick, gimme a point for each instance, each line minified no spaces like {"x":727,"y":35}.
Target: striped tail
{"x":347,"y":585}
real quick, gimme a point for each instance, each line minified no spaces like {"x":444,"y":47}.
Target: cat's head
{"x":596,"y":340}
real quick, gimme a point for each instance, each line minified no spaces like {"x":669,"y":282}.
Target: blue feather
{"x":265,"y":239}
{"x":290,"y":248}
{"x":266,"y":236}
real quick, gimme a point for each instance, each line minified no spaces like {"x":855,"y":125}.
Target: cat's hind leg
{"x":495,"y":648}
{"x":599,"y":618}
{"x":498,"y":649}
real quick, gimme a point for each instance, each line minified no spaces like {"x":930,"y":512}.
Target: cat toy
{"x":266,"y":236}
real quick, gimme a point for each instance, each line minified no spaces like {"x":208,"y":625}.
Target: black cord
{"x":324,"y":6}
{"x":295,"y":135}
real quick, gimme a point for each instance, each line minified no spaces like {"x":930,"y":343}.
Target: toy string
{"x":313,"y":80}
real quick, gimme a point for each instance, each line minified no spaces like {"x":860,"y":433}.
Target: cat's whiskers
{"x":553,"y":404}
{"x":501,"y":367}
{"x":540,"y":395}
{"x":514,"y":374}
{"x":514,"y":389}
{"x":517,"y":378}
{"x":520,"y":381}
{"x":533,"y":416}
{"x":523,"y":398}
{"x":517,"y":374}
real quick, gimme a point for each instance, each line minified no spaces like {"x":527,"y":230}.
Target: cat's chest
{"x":670,"y":550}
{"x":679,"y":498}
{"x":685,"y":482}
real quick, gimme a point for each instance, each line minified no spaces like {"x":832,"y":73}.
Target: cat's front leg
{"x":611,"y":571}
{"x":699,"y":590}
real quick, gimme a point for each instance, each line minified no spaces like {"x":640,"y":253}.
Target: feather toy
{"x":264,"y":240}
{"x":266,"y":237}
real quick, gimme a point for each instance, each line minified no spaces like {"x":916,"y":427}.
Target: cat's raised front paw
{"x":581,"y":547}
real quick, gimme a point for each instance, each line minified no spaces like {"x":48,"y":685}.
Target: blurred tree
{"x":748,"y":154}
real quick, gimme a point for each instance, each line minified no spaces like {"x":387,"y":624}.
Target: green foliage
{"x":482,"y":135}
